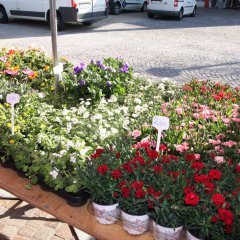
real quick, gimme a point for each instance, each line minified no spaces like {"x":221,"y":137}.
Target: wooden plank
{"x":79,"y":217}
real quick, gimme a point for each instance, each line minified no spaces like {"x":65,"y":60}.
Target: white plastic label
{"x":58,"y":69}
{"x":160,"y":122}
{"x":13,"y":98}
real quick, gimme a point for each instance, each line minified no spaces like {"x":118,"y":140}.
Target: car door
{"x":12,"y":7}
{"x":99,"y":8}
{"x":32,"y":9}
{"x":85,"y":8}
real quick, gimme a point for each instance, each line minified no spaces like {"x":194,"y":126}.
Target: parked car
{"x":177,"y":8}
{"x":116,"y":6}
{"x":68,"y":11}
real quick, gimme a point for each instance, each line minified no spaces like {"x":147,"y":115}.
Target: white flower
{"x":54,"y":173}
{"x":65,"y":112}
{"x":114,"y":130}
{"x":87,"y":103}
{"x":74,"y":120}
{"x":113,"y":98}
{"x":138,"y":108}
{"x":41,"y":95}
{"x":63,"y":152}
{"x":137,"y":101}
{"x":57,"y":155}
{"x":72,"y":159}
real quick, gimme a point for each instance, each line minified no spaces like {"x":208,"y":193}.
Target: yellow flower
{"x":16,"y":68}
{"x":11,"y":141}
{"x":9,"y":124}
{"x":46,"y":68}
{"x":52,"y":88}
{"x":16,"y":128}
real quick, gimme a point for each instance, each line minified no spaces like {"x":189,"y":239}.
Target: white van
{"x":116,"y":6}
{"x":177,"y":8}
{"x":68,"y":11}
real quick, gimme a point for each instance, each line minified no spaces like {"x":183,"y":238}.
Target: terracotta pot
{"x":166,"y":233}
{"x":106,"y":214}
{"x":135,"y":224}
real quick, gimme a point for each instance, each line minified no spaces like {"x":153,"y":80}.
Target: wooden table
{"x":79,"y":217}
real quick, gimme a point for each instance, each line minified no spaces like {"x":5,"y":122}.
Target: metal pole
{"x":53,"y":24}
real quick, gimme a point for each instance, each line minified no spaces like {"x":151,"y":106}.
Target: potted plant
{"x":166,"y":197}
{"x":100,"y":177}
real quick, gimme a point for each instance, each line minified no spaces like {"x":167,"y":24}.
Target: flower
{"x":218,"y":199}
{"x":192,"y":199}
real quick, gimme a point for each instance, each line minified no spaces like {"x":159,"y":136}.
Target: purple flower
{"x":82,"y":83}
{"x":109,"y":69}
{"x":79,"y":68}
{"x":124,"y":69}
{"x":92,"y":61}
{"x":99,"y":63}
{"x":109,"y":83}
{"x":126,"y":65}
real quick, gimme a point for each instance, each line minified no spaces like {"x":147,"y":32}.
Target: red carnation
{"x":197,"y":165}
{"x":138,"y":159}
{"x":125,"y":192}
{"x":226,"y":216}
{"x":115,"y":194}
{"x":228,"y":229}
{"x":116,"y":174}
{"x":153,"y":154}
{"x":157,"y":169}
{"x":237,"y":169}
{"x":214,"y":174}
{"x":162,"y":147}
{"x":218,"y":199}
{"x":201,"y":178}
{"x":150,"y":190}
{"x":127,"y":167}
{"x":192,"y":157}
{"x":214,"y":219}
{"x":189,"y":189}
{"x":209,"y":187}
{"x":137,"y":184}
{"x":140,"y":193}
{"x":122,"y":183}
{"x":103,"y":169}
{"x":99,"y":151}
{"x":192,"y":199}
{"x":156,"y":194}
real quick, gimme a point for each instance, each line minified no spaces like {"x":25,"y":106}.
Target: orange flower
{"x":11,"y":51}
{"x":33,"y":75}
{"x":46,"y":68}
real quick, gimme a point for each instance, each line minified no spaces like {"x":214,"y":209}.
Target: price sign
{"x":160,"y":123}
{"x":13,"y":98}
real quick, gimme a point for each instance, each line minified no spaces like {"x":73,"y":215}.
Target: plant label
{"x":58,"y":69}
{"x":13,"y":98}
{"x":160,"y":123}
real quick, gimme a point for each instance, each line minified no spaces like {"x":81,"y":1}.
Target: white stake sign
{"x":13,"y":98}
{"x":160,"y":123}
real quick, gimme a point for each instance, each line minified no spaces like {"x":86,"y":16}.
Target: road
{"x":204,"y":47}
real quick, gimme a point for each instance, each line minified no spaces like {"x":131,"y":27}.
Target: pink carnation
{"x":219,"y":159}
{"x":182,"y":147}
{"x":236,"y":119}
{"x":196,"y":115}
{"x":229,"y":143}
{"x":179,"y":110}
{"x":214,"y":142}
{"x":136,"y":133}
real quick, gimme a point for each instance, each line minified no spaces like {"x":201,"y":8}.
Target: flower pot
{"x":191,"y":237}
{"x":135,"y":224}
{"x":166,"y":233}
{"x":106,"y":214}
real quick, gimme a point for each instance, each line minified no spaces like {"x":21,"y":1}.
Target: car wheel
{"x":144,"y":7}
{"x":150,"y":15}
{"x":3,"y":15}
{"x":193,"y":14}
{"x":87,"y":23}
{"x":180,"y":15}
{"x":116,"y":9}
{"x":60,"y":23}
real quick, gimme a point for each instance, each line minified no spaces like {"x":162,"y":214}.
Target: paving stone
{"x":18,"y":238}
{"x":26,"y":231}
{"x":51,"y":224}
{"x":9,"y":231}
{"x":43,"y":233}
{"x":64,"y":232}
{"x":34,"y":223}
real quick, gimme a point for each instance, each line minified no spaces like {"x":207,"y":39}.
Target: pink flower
{"x":236,"y":119}
{"x":179,"y":110}
{"x":219,"y":159}
{"x":136,"y":133}
{"x":229,"y":143}
{"x":196,"y":115}
{"x":191,"y":124}
{"x":226,"y":120}
{"x":3,"y":59}
{"x":11,"y":72}
{"x":214,"y":142}
{"x":182,"y":147}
